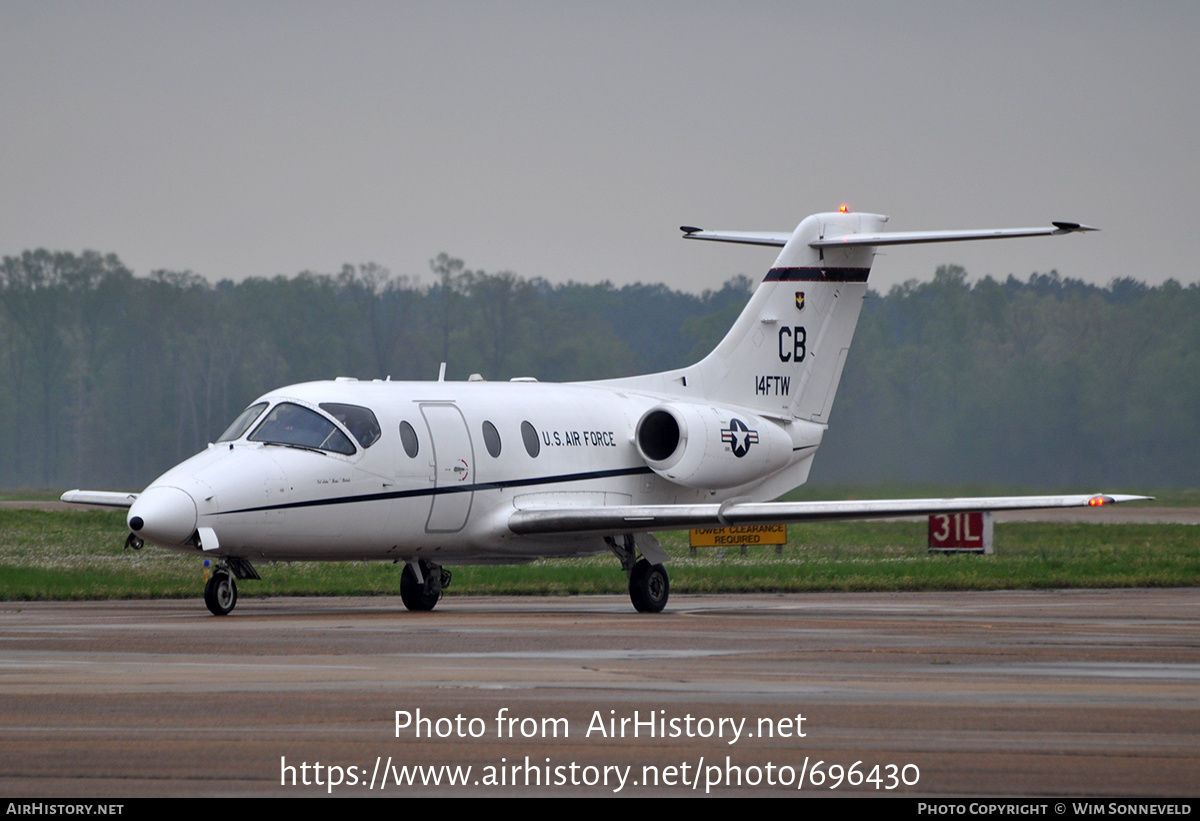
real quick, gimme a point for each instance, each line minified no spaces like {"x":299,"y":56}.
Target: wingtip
{"x":1099,"y":499}
{"x":1072,"y":227}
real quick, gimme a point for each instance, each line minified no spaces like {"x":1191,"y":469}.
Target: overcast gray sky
{"x":570,"y":140}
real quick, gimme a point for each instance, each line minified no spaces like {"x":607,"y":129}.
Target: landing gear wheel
{"x":649,"y":587}
{"x":220,"y":594}
{"x":419,"y":596}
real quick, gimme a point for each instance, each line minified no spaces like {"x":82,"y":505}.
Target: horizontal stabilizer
{"x":103,"y":498}
{"x":635,"y":518}
{"x":918,"y":237}
{"x":745,"y":237}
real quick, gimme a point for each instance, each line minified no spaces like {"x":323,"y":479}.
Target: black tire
{"x":220,"y":594}
{"x":649,"y":587}
{"x":416,"y":596}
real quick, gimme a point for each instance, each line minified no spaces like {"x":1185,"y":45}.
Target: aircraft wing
{"x":635,"y":518}
{"x":103,"y":498}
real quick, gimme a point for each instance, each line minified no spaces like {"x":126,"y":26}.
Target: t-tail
{"x":785,"y":353}
{"x":783,"y":358}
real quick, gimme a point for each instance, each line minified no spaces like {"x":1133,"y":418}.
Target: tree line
{"x":1049,"y":382}
{"x":107,"y":379}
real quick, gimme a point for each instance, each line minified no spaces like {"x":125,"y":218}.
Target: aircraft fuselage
{"x":474,"y":453}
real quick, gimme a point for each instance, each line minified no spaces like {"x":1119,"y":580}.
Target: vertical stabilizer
{"x":785,"y":354}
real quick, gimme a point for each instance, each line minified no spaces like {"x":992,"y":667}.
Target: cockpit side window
{"x":242,"y":423}
{"x":289,"y":424}
{"x":408,"y":438}
{"x":361,"y":422}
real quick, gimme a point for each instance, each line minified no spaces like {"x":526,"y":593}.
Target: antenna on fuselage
{"x":442,"y":372}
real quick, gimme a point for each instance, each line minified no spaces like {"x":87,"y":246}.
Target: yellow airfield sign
{"x":743,"y":535}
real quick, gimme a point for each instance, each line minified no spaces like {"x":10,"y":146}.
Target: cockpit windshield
{"x":361,"y":422}
{"x":289,"y":424}
{"x":242,"y":423}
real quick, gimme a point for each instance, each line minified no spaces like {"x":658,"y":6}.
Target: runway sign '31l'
{"x":961,"y":532}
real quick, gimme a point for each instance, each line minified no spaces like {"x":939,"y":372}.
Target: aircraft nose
{"x":163,"y":515}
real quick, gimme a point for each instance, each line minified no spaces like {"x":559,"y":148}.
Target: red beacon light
{"x":1096,"y":501}
{"x":844,"y":209}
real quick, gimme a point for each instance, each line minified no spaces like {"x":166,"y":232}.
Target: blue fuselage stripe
{"x":436,"y":491}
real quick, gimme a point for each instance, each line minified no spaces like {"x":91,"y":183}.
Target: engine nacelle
{"x":706,"y":447}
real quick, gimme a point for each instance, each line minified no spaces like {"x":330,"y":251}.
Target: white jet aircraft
{"x":476,"y":472}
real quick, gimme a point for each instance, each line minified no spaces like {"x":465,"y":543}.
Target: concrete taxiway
{"x":1066,"y":693}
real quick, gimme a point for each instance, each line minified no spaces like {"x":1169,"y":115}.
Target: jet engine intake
{"x":708,"y":447}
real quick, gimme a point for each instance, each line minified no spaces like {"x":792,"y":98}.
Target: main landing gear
{"x":649,"y":586}
{"x":220,"y":591}
{"x":422,"y":583}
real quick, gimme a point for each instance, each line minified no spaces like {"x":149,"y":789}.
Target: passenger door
{"x":453,"y":466}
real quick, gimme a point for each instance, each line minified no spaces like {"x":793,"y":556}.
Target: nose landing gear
{"x":220,"y":591}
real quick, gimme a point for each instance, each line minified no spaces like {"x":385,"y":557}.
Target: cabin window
{"x":530,"y":437}
{"x":289,"y":424}
{"x":491,"y":439}
{"x":242,"y":423}
{"x":408,"y":438}
{"x":361,"y":422}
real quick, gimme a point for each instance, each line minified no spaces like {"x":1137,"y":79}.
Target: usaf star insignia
{"x":739,"y":437}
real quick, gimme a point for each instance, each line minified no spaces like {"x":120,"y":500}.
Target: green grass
{"x":70,"y":555}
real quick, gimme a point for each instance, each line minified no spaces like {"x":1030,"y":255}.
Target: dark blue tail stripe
{"x":817,"y":275}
